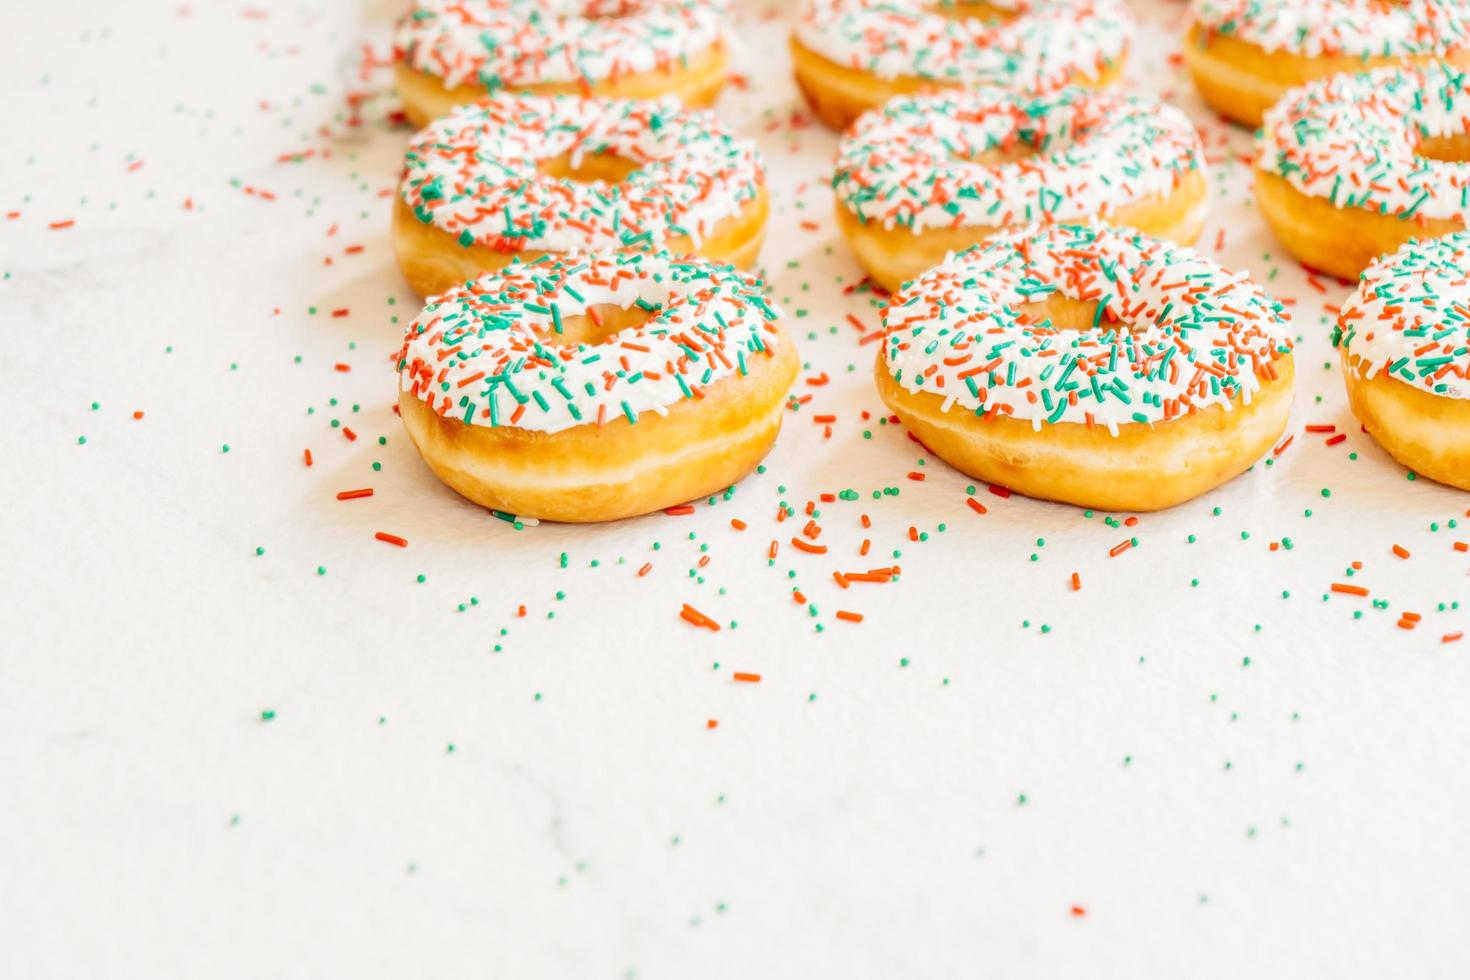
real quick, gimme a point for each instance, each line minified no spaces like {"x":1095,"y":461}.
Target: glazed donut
{"x":928,"y":175}
{"x":590,"y":388}
{"x":526,"y":176}
{"x":1245,"y":54}
{"x":450,"y":52}
{"x":1404,"y":341}
{"x":854,"y":55}
{"x":1351,"y":167}
{"x":1090,"y":365}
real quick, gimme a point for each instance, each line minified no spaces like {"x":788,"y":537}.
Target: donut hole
{"x":609,"y":9}
{"x":1445,"y":149}
{"x":981,"y":10}
{"x":1064,"y":312}
{"x":588,"y":168}
{"x":1012,"y":151}
{"x":596,"y":326}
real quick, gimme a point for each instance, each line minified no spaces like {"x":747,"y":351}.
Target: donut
{"x":1090,"y":365}
{"x":1404,"y":345}
{"x":854,"y":55}
{"x":594,"y":387}
{"x":1351,"y":167}
{"x":1245,"y":54}
{"x":931,"y":174}
{"x":450,"y":52}
{"x":525,"y":176}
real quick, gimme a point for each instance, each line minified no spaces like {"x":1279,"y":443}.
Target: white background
{"x":1223,"y":781}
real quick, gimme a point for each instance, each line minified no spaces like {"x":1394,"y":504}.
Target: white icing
{"x":1411,"y":317}
{"x":474,"y":174}
{"x":1187,"y":334}
{"x":912,"y":163}
{"x":485,"y":349}
{"x":1047,"y":44}
{"x":1329,"y":28}
{"x":510,"y":43}
{"x":1354,"y":140}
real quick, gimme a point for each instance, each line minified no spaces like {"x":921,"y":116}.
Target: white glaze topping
{"x":474,"y":174}
{"x":1354,"y":140}
{"x":1046,"y":44}
{"x":505,"y":44}
{"x":1174,"y":332}
{"x":1411,"y":317}
{"x":487,"y":353}
{"x":1332,"y":28}
{"x":914,"y":162}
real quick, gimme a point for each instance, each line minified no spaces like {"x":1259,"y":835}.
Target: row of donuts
{"x":1141,"y":404}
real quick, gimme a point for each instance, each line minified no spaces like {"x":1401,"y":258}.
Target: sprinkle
{"x":691,"y":615}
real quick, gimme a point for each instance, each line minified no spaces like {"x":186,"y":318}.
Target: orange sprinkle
{"x":976,"y":505}
{"x":351,"y":436}
{"x":307,"y":454}
{"x":747,"y":678}
{"x":1451,"y":637}
{"x":1405,"y":624}
{"x":691,"y":615}
{"x":58,"y":225}
{"x":798,"y":597}
{"x":647,"y":567}
{"x":850,"y":617}
{"x":916,"y":476}
{"x":1400,"y":551}
{"x":800,"y":545}
{"x":354,"y":494}
{"x":391,"y":539}
{"x":737,"y":523}
{"x":1076,"y":582}
{"x":1412,"y":617}
{"x":711,"y":724}
{"x":1349,"y":589}
{"x":344,"y":368}
{"x":1119,"y":548}
{"x":340,"y":313}
{"x":681,"y":510}
{"x":1281,"y":446}
{"x":137,"y":416}
{"x":1462,"y":546}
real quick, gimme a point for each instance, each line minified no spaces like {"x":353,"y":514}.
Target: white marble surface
{"x":1299,"y":813}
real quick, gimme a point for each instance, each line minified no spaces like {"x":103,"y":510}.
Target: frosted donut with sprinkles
{"x":1245,"y":54}
{"x":1404,"y":343}
{"x":1352,"y":167}
{"x":590,"y":388}
{"x":928,"y":175}
{"x":527,"y":176}
{"x":450,"y":52}
{"x":1089,"y":365}
{"x":854,"y":55}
